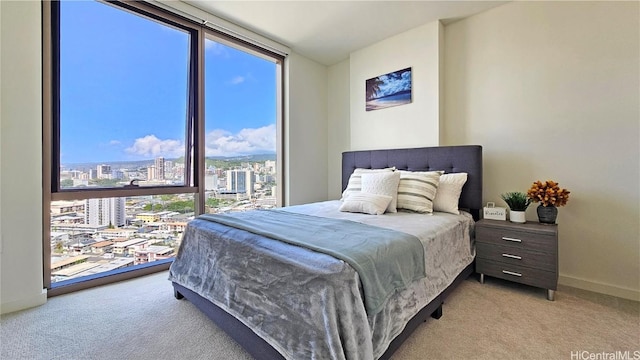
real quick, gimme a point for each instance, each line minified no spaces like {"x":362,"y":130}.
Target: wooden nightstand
{"x":525,"y":253}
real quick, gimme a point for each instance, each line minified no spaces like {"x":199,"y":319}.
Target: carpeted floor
{"x":140,"y":319}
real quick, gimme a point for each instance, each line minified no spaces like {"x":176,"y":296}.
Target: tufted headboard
{"x":451,"y":159}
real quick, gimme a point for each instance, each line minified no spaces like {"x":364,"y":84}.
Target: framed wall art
{"x":388,"y":90}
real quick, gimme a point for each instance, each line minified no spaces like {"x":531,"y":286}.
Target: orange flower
{"x":548,"y":193}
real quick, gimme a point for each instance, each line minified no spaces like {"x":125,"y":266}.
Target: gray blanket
{"x":386,"y":260}
{"x":309,"y":305}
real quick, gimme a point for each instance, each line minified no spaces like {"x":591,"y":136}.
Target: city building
{"x":148,"y":217}
{"x":102,"y":247}
{"x":103,"y":171}
{"x":270,"y":166}
{"x":107,"y":211}
{"x":159,"y":169}
{"x":63,"y":206}
{"x":210,"y":182}
{"x":151,"y":172}
{"x":151,"y":253}
{"x":240,"y":181}
{"x":121,"y":248}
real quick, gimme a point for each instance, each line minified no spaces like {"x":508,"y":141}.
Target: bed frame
{"x":451,"y":159}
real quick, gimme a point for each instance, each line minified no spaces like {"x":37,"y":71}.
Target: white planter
{"x":517,"y":216}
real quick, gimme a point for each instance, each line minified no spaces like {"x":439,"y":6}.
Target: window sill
{"x":107,"y":277}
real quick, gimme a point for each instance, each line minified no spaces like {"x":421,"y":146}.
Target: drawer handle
{"x":512,"y":256}
{"x":511,"y":273}
{"x":511,"y":239}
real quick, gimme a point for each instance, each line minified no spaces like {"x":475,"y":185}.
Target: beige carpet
{"x":140,"y":319}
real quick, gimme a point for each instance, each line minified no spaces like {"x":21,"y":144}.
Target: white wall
{"x":551,"y":90}
{"x":21,"y":284}
{"x":410,"y":125}
{"x":339,"y":129}
{"x":306,"y":131}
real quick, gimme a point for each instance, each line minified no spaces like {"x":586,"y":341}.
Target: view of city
{"x":125,"y":99}
{"x":97,"y":235}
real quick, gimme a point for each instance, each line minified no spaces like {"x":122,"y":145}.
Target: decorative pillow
{"x":355,"y":180}
{"x":385,"y":183}
{"x":367,"y":203}
{"x":449,"y":192}
{"x":417,"y":190}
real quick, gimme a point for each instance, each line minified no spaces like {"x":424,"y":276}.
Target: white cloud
{"x":237,"y":80}
{"x":218,"y":143}
{"x":114,"y":142}
{"x":215,"y":48}
{"x":151,"y":146}
{"x":247,"y":141}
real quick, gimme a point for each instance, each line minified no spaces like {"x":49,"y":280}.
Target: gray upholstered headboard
{"x":451,"y":159}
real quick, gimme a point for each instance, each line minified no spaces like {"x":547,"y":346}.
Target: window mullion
{"x":199,"y":135}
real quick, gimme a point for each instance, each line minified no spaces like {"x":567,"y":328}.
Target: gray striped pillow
{"x":417,"y":190}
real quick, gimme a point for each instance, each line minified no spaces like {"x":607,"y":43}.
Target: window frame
{"x":194,"y":132}
{"x":152,"y":13}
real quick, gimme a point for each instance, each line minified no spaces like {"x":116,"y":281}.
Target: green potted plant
{"x":518,"y":203}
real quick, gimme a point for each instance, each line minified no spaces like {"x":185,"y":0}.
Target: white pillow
{"x":367,"y":203}
{"x":384,"y":183}
{"x":449,"y":192}
{"x":355,"y":180}
{"x":417,"y":190}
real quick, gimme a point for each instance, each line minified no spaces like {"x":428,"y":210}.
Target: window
{"x":123,"y":98}
{"x":132,"y":156}
{"x":240,"y":127}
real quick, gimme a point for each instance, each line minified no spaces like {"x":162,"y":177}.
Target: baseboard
{"x":25,"y":303}
{"x":621,"y":292}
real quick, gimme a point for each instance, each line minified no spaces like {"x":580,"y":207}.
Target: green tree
{"x":166,"y":197}
{"x":181,"y":206}
{"x":104,"y":182}
{"x":213,"y":202}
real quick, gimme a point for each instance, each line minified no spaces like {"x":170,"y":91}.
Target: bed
{"x":283,"y":301}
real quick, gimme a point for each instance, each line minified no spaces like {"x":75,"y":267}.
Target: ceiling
{"x":328,"y":31}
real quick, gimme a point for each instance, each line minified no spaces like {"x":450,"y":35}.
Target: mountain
{"x":115,"y":165}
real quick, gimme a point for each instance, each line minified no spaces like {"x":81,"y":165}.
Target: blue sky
{"x":124,"y":86}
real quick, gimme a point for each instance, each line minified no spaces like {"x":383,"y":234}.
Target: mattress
{"x":309,"y":305}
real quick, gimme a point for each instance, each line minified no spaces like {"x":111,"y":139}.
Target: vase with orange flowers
{"x":550,"y":196}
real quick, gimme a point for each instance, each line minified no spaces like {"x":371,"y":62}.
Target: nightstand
{"x":524,"y":253}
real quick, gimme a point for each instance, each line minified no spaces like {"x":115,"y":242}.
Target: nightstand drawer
{"x":515,"y":256}
{"x":517,"y":239}
{"x":520,"y":274}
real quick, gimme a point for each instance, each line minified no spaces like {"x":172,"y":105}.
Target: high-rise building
{"x":107,"y":211}
{"x":270,"y":166}
{"x":210,"y":182}
{"x":168,"y":169}
{"x":240,"y":181}
{"x":151,"y":172}
{"x":104,"y":171}
{"x":117,"y":174}
{"x":159,"y":165}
